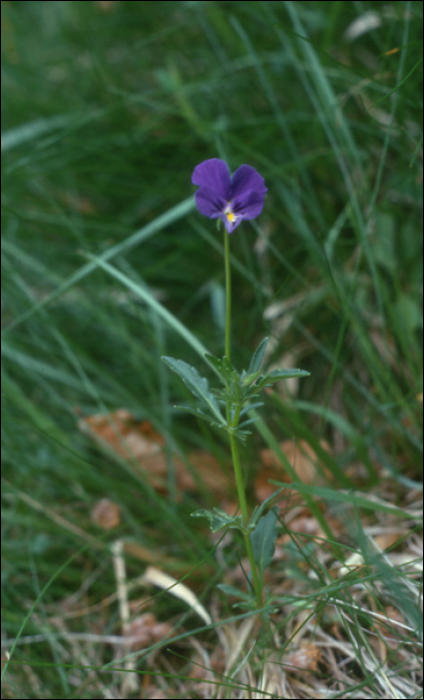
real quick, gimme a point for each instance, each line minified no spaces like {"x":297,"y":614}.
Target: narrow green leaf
{"x":153,"y":227}
{"x":200,"y":414}
{"x":258,"y":404}
{"x":33,"y":130}
{"x":234,"y":592}
{"x":257,"y":357}
{"x":248,"y":379}
{"x":198,"y":385}
{"x":258,"y":510}
{"x":247,"y":422}
{"x":277,"y":374}
{"x":263,"y":539}
{"x":358,"y":500}
{"x":218,"y":519}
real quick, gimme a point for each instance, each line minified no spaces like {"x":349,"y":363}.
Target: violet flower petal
{"x":209,"y":203}
{"x":230,"y":225}
{"x":247,"y":178}
{"x":230,"y":199}
{"x":248,"y":205}
{"x":213,"y":173}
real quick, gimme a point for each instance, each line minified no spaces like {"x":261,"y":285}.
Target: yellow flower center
{"x":230,"y":214}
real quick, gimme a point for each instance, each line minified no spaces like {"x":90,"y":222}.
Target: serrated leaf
{"x":201,"y":414}
{"x":277,"y":374}
{"x":242,"y":434}
{"x":258,"y":404}
{"x":263,"y":539}
{"x":223,"y":367}
{"x":257,"y":357}
{"x":198,"y":385}
{"x":248,"y":422}
{"x":218,"y":519}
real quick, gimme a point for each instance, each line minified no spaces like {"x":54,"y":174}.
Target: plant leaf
{"x":250,"y":406}
{"x":223,"y":366}
{"x":248,"y":379}
{"x":257,"y":357}
{"x":234,"y":592}
{"x":218,"y":519}
{"x":198,"y":385}
{"x":201,"y":414}
{"x":258,"y":510}
{"x":277,"y":374}
{"x":263,"y":539}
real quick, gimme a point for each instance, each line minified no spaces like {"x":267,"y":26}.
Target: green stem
{"x":257,"y":584}
{"x":228,"y":295}
{"x":232,"y":424}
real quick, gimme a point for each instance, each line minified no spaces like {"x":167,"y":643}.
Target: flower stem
{"x":232,"y":421}
{"x":228,"y":296}
{"x":257,"y":584}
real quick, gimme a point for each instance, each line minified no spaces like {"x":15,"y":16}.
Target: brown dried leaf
{"x":145,"y":630}
{"x":137,"y":441}
{"x":387,"y":539}
{"x":303,"y":459}
{"x":305,"y":658}
{"x":106,"y":514}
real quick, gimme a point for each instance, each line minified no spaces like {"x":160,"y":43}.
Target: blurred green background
{"x":107,"y":107}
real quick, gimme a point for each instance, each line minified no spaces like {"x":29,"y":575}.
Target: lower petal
{"x":208,"y":203}
{"x":249,"y":205}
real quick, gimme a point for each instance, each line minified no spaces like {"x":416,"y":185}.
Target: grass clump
{"x":107,"y":266}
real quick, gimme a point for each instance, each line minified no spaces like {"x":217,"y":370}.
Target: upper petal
{"x":213,"y":173}
{"x":245,"y":179}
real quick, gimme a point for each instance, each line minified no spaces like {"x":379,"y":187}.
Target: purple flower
{"x":231,"y":199}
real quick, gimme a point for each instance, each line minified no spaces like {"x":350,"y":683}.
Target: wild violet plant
{"x":232,"y":200}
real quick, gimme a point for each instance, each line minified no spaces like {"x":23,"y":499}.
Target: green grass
{"x":107,"y":265}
